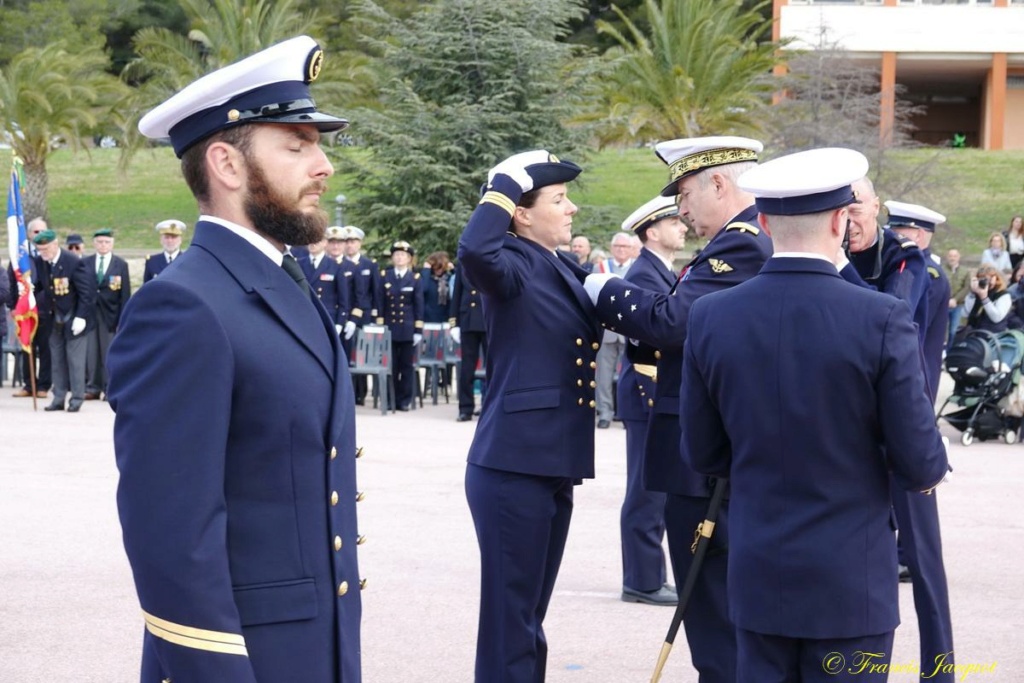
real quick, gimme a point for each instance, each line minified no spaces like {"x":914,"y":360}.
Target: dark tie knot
{"x":291,"y":266}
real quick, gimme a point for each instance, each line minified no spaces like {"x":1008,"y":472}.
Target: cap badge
{"x":313,"y":64}
{"x":233,"y":115}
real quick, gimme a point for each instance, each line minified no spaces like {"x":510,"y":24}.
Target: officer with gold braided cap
{"x":703,"y":172}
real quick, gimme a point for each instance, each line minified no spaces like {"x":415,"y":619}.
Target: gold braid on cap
{"x":709,"y":158}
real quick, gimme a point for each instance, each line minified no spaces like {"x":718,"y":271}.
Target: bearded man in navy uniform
{"x":703,"y":172}
{"x":235,"y":428}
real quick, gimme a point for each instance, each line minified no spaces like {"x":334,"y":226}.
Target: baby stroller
{"x":987,"y":392}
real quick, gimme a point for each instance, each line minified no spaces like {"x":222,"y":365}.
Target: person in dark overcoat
{"x":113,"y":287}
{"x":71,"y":297}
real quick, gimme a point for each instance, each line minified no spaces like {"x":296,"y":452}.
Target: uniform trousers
{"x":710,"y":633}
{"x":522,"y":522}
{"x":778,"y":659}
{"x":96,"y":359}
{"x":473,"y":345}
{"x":917,"y":516}
{"x":41,"y":349}
{"x":608,"y":356}
{"x":405,"y":372}
{"x":641,"y":519}
{"x":67,"y":356}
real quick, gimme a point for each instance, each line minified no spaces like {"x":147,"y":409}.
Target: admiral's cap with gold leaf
{"x":271,"y":86}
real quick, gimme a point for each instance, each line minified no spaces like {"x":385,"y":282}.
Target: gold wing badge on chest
{"x":719,"y":266}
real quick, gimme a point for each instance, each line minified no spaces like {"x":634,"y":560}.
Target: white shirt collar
{"x":401,"y":273}
{"x":668,"y":264}
{"x":250,"y":236}
{"x":315,"y":260}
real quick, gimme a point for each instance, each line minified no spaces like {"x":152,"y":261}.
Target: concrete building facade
{"x":963,"y":60}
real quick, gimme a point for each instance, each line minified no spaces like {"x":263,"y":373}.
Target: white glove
{"x":77,"y":326}
{"x":338,"y":329}
{"x":595,"y":283}
{"x":515,"y":168}
{"x":417,"y":338}
{"x":350,"y":329}
{"x":21,"y":289}
{"x":456,"y":335}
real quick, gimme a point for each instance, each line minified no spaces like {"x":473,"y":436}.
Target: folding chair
{"x":371,"y":355}
{"x":431,"y":357}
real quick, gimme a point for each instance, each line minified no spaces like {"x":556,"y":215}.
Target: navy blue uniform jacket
{"x":637,"y":388}
{"x":736,"y":253}
{"x":365,"y":283}
{"x":936,"y":329}
{"x":804,"y":437}
{"x":235,"y":441}
{"x":466,"y":308}
{"x":895,"y":265}
{"x":401,"y":304}
{"x":538,"y":413}
{"x":112,"y":291}
{"x":71,"y":290}
{"x":155,"y":264}
{"x":329,"y":283}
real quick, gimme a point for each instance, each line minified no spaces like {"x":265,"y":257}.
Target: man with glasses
{"x":75,"y":244}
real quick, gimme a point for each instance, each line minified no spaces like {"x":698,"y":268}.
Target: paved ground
{"x":68,"y":611}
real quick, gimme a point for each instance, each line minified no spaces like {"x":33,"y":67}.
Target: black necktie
{"x":291,"y":266}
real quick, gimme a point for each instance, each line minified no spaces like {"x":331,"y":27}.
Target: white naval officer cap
{"x":335,"y":232}
{"x":354,"y":233}
{"x":806,"y":182}
{"x":650,"y":213}
{"x":687,"y":156}
{"x":271,"y":86}
{"x":903,"y":215}
{"x":171,"y":226}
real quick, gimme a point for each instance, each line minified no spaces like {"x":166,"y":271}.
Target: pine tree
{"x":463,"y":84}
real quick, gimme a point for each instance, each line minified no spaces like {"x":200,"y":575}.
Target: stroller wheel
{"x":1010,"y":436}
{"x":967,"y":438}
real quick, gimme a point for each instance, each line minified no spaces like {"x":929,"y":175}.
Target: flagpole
{"x":32,"y":375}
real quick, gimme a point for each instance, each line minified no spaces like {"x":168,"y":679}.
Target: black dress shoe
{"x":904,"y":574}
{"x":74,"y":406}
{"x":603,"y":424}
{"x":403,"y":409}
{"x":54,"y":406}
{"x":464,"y":417}
{"x":665,"y":596}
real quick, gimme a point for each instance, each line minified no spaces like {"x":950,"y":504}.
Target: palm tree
{"x":221,"y":33}
{"x":702,"y":69}
{"x":49,"y":97}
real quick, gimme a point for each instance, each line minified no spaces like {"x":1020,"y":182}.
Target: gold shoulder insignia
{"x":719,"y":266}
{"x":743,"y":227}
{"x":905,"y":242}
{"x":416,"y":276}
{"x":934,"y":272}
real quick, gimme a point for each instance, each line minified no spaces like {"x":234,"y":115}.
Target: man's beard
{"x":276,"y":217}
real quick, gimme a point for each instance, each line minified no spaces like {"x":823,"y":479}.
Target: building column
{"x":995,"y":104}
{"x":887,"y":118}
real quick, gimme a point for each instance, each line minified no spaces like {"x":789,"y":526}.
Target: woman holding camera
{"x":989,"y":302}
